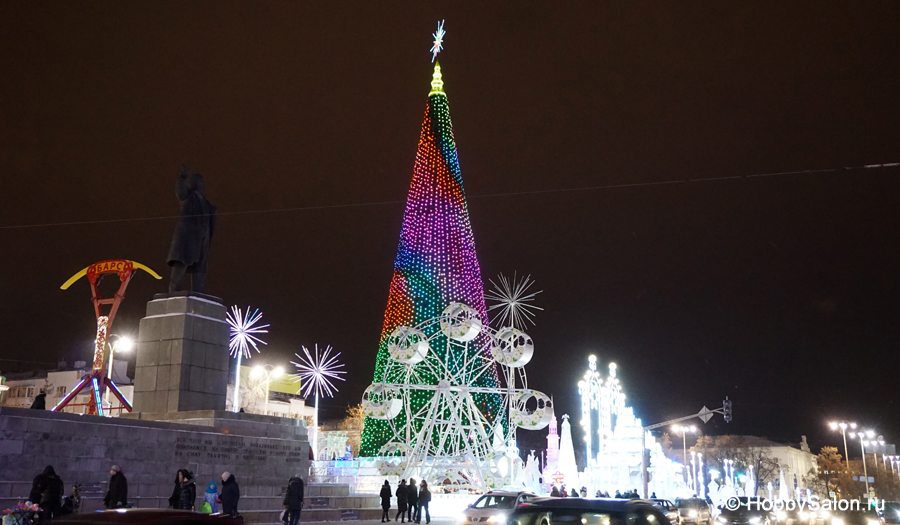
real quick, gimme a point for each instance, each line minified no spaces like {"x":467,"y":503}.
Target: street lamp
{"x":684,"y":430}
{"x":269,"y":373}
{"x":121,"y":344}
{"x":862,"y":446}
{"x":700,"y":474}
{"x":843,"y":426}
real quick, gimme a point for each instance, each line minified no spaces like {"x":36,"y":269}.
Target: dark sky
{"x":780,"y":292}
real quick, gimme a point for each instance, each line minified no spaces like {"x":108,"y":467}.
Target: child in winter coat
{"x":212,"y":494}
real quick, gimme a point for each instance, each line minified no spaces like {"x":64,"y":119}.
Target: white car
{"x":493,"y":507}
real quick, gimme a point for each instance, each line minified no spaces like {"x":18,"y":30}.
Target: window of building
{"x":29,"y":391}
{"x":60,"y":391}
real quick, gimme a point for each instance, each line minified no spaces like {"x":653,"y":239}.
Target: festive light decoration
{"x":317,"y":371}
{"x":438,"y":45}
{"x":315,"y":375}
{"x":436,"y":265}
{"x":244,"y":330}
{"x":453,"y":436}
{"x":514,"y":302}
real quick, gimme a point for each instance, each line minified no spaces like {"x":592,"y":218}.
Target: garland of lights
{"x":436,"y":262}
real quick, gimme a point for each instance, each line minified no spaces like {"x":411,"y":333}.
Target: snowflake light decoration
{"x":244,"y":331}
{"x":513,"y":300}
{"x":438,"y":45}
{"x":316,"y":371}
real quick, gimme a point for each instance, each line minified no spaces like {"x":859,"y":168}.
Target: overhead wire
{"x":471,"y":196}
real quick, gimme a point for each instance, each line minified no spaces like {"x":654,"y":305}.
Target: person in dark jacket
{"x":230,"y":495}
{"x":293,"y":500}
{"x":175,"y":498}
{"x":117,"y":495}
{"x":188,"y":490}
{"x":47,"y":491}
{"x":385,"y":501}
{"x":40,"y":401}
{"x":402,"y":494}
{"x":412,"y":501}
{"x":554,"y":493}
{"x":424,"y":500}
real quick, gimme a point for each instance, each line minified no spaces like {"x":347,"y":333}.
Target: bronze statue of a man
{"x":189,"y":252}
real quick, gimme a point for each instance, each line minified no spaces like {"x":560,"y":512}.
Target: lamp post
{"x":269,"y":373}
{"x":121,"y":344}
{"x":693,"y":472}
{"x":862,"y":447}
{"x":842,"y":425}
{"x":880,"y":443}
{"x":684,"y":430}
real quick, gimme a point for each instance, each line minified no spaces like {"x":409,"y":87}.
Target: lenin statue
{"x":189,"y":252}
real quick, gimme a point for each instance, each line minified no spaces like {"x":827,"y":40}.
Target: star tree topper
{"x":438,"y":40}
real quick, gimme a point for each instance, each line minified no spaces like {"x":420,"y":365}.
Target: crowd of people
{"x":561,"y":492}
{"x":47,"y":491}
{"x":411,"y":501}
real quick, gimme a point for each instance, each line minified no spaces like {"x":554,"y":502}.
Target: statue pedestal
{"x":182,"y":354}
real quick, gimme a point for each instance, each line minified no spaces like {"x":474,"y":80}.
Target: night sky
{"x":303,"y":117}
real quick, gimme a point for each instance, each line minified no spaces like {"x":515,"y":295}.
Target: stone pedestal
{"x":182,"y":355}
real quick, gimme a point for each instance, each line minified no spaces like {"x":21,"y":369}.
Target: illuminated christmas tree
{"x":436,"y":261}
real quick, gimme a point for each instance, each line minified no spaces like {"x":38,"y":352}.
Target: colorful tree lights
{"x":436,"y":261}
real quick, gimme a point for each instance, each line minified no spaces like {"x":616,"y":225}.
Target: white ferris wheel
{"x":443,"y":427}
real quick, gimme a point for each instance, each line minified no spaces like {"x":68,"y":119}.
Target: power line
{"x":482,"y":196}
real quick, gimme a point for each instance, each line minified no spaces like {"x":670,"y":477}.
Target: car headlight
{"x":804,"y":515}
{"x":499,"y":519}
{"x":873,"y":522}
{"x":461,"y":518}
{"x":837,"y":521}
{"x":755,"y":519}
{"x":722,"y":519}
{"x":692,"y":513}
{"x":782,"y":515}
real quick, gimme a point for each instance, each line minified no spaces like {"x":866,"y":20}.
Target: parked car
{"x":693,"y":510}
{"x":147,"y":517}
{"x":578,"y":511}
{"x":666,"y":507}
{"x":495,"y":505}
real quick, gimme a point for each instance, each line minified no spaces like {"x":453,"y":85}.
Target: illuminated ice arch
{"x":441,"y":425}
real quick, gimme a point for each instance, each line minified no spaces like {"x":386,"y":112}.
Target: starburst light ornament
{"x":315,"y":372}
{"x":244,"y":329}
{"x":438,"y":45}
{"x":514,"y":302}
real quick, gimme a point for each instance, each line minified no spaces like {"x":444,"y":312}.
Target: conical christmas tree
{"x":436,"y":262}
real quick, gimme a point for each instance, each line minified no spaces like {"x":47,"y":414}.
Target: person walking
{"x":385,"y":501}
{"x":212,"y":496}
{"x":401,"y":494}
{"x":293,"y":500}
{"x":231,"y":493}
{"x":117,"y":495}
{"x":583,"y":492}
{"x":188,"y":490}
{"x":554,"y":492}
{"x":412,"y":500}
{"x":424,"y":500}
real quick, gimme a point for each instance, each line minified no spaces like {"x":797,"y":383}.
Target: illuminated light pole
{"x":700,"y":474}
{"x":862,"y":446}
{"x":842,"y":425}
{"x":122,"y":344}
{"x":269,"y":373}
{"x":244,"y":331}
{"x":684,"y":430}
{"x":693,"y":472}
{"x":880,"y":442}
{"x":317,"y":371}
